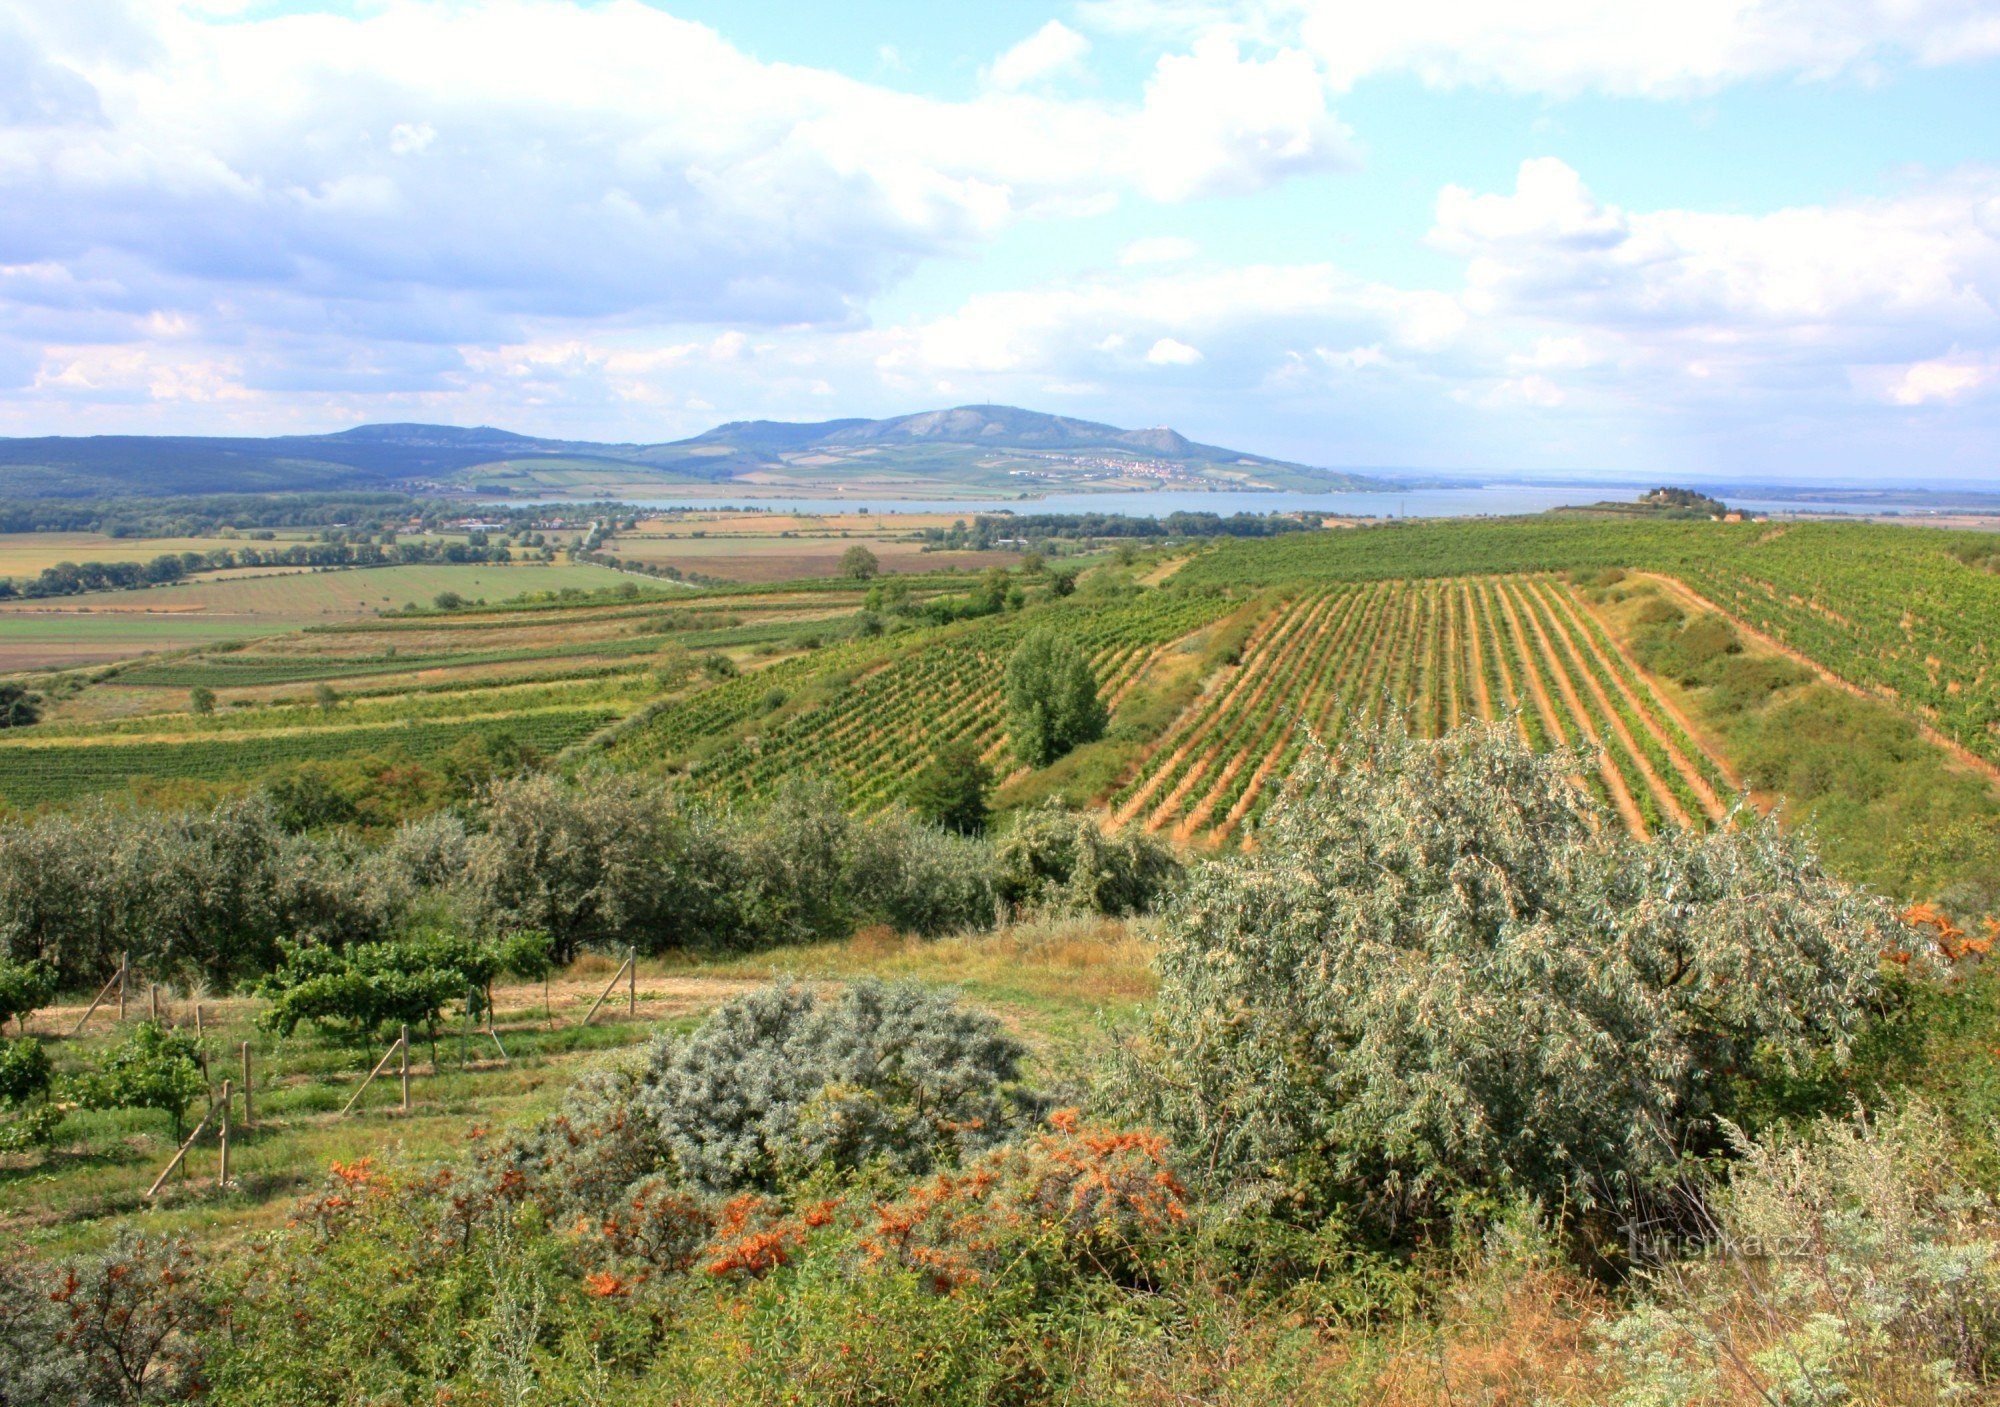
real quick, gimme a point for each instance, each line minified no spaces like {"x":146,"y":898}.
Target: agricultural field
{"x":1218,"y":665}
{"x":772,"y":547}
{"x":1438,"y":653}
{"x":26,"y":554}
{"x":63,"y":632}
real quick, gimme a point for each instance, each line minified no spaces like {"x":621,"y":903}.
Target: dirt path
{"x":1343,"y":626}
{"x":1329,"y":613}
{"x":1513,"y":698}
{"x":1690,"y":597}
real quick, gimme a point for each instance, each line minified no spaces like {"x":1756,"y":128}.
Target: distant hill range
{"x":966,"y":450}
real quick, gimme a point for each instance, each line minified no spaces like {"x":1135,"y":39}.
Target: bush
{"x":1845,"y":1263}
{"x":1446,"y":972}
{"x":1052,"y":703}
{"x":358,"y":990}
{"x":124,"y":1326}
{"x":779,"y":1084}
{"x":153,"y":1068}
{"x":1056,"y":857}
{"x":24,"y":987}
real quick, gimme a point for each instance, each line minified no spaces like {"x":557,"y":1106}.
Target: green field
{"x":65,"y":631}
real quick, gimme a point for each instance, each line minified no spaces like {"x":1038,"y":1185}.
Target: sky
{"x":1751,"y":238}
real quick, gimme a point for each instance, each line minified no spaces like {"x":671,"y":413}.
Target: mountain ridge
{"x":969,"y":448}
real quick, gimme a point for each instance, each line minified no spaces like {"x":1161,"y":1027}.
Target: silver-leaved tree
{"x":1446,"y":971}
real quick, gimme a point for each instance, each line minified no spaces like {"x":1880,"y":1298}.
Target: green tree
{"x":1446,"y":975}
{"x":953,"y":788}
{"x":719,"y":666}
{"x":857,"y":563}
{"x":153,"y":1068}
{"x":201,"y":700}
{"x":1052,"y":703}
{"x":447,"y":600}
{"x":18,"y":707}
{"x":325,"y":697}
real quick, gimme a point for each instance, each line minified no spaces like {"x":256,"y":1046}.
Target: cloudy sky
{"x":1756,"y":237}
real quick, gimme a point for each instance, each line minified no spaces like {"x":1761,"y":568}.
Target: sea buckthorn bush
{"x":1445,"y":972}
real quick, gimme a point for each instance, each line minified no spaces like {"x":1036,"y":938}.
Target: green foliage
{"x":609,"y":860}
{"x":1052,"y":702}
{"x":952,"y":791}
{"x":1445,"y":973}
{"x":19,"y":708}
{"x":25,"y":1071}
{"x":719,"y":666}
{"x":1056,"y":857}
{"x":201,"y":700}
{"x":782,"y":1083}
{"x":359,"y":990}
{"x":857,"y":563}
{"x":153,"y":1068}
{"x":24,"y":988}
{"x":1868,"y":1267}
{"x":129,"y":1325}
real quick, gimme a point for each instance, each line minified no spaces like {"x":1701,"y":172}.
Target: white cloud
{"x":1170,"y":351}
{"x":1053,"y":49}
{"x":1566,"y":47}
{"x":1942,"y":379}
{"x":313,"y":186}
{"x":1158,"y":249}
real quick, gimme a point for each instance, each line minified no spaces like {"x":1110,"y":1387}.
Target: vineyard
{"x":870,"y":717}
{"x":1906,"y":614}
{"x":1438,"y":653}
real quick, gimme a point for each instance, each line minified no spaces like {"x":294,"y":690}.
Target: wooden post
{"x":632,"y":982}
{"x":608,"y":986}
{"x":165,"y":1172}
{"x":246,"y":1085}
{"x":124,"y":966}
{"x":380,"y":1066}
{"x":197,"y":1021}
{"x":153,"y":1000}
{"x":404,"y":1041}
{"x":222,"y":1168}
{"x":96,"y":1002}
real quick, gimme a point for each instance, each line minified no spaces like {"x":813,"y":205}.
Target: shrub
{"x":607,"y":860}
{"x":19,"y":708}
{"x":123,"y":1326}
{"x":857,"y":563}
{"x":1056,"y":857}
{"x":1446,"y":971}
{"x":1052,"y":703}
{"x":24,"y":987}
{"x":1846,"y":1262}
{"x":780,"y":1083}
{"x":153,"y":1068}
{"x":359,"y":990}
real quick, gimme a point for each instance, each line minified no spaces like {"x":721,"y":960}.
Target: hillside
{"x":970,"y":449}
